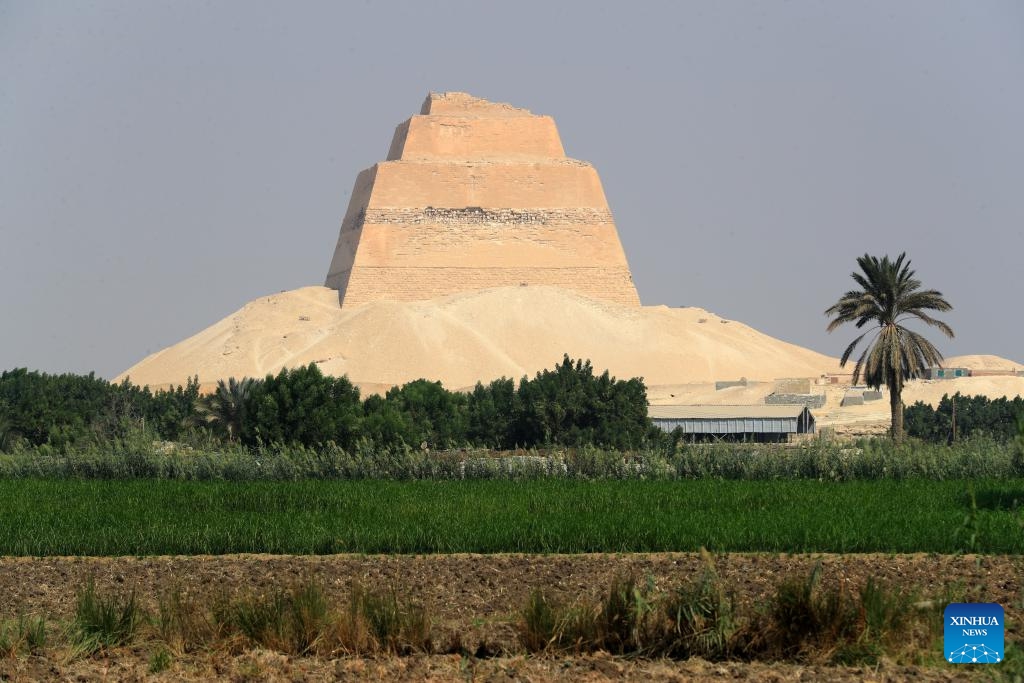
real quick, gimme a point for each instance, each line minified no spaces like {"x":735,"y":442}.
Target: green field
{"x":144,"y":517}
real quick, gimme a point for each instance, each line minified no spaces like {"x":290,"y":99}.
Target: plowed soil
{"x":476,"y":598}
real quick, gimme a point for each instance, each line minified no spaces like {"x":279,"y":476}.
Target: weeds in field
{"x":309,"y":617}
{"x":806,"y":621}
{"x":159,"y":661}
{"x":801,"y":621}
{"x":292,"y":622}
{"x":10,"y":643}
{"x":623,"y":622}
{"x":26,"y":634}
{"x":701,"y":619}
{"x":102,"y":621}
{"x":260,"y":619}
{"x":538,"y":629}
{"x":884,"y":611}
{"x":181,"y":624}
{"x":301,"y":622}
{"x":802,"y":616}
{"x":396,"y":627}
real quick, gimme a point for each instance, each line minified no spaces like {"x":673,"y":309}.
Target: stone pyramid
{"x":474,"y":195}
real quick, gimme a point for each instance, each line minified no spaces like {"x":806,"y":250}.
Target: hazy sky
{"x":163,"y":163}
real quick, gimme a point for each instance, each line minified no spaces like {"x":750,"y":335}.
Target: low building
{"x":947,"y":373}
{"x":809,"y":400}
{"x":760,"y":423}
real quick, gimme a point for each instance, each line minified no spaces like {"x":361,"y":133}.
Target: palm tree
{"x":890,"y":295}
{"x":224,"y":409}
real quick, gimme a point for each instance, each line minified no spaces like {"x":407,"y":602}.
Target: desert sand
{"x":983,"y":363}
{"x":518,"y":331}
{"x":475,"y":336}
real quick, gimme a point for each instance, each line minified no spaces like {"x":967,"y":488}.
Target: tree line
{"x":959,"y":417}
{"x":569,"y":405}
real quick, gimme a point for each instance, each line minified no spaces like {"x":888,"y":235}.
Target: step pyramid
{"x":475,"y":195}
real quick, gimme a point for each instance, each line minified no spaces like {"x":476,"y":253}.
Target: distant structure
{"x":775,"y":423}
{"x":474,"y":195}
{"x":952,"y":373}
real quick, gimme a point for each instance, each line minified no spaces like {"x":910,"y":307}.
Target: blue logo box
{"x":973,"y":633}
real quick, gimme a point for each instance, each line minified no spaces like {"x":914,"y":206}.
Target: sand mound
{"x":983,"y":363}
{"x":473,"y":336}
{"x":932,"y":391}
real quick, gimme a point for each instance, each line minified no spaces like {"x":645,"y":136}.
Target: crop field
{"x":153,"y":517}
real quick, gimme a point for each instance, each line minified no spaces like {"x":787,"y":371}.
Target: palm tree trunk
{"x":896,"y":406}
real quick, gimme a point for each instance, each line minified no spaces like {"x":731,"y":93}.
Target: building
{"x":947,"y":373}
{"x":760,"y":423}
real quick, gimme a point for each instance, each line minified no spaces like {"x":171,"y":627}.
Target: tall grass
{"x":143,"y":517}
{"x":23,"y":635}
{"x":800,"y":621}
{"x":821,"y":459}
{"x":103,"y":621}
{"x":182,"y":624}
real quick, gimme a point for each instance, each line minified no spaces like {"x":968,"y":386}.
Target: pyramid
{"x":475,"y":195}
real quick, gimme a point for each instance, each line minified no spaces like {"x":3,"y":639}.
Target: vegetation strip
{"x":800,"y":620}
{"x":39,"y":517}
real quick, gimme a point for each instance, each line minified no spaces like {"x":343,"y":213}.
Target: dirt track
{"x":478,"y":597}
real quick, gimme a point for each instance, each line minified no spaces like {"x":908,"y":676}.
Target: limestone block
{"x":462,"y":138}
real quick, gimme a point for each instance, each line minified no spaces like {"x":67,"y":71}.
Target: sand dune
{"x":473,"y":336}
{"x":983,"y":362}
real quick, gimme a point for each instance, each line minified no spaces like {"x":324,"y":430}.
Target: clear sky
{"x":163,"y":163}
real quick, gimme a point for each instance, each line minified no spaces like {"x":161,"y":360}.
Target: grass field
{"x":146,"y":517}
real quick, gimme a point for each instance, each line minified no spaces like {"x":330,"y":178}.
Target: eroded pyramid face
{"x":475,"y":195}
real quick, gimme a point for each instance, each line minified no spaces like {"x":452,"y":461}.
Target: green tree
{"x":436,"y":416}
{"x":226,"y":409}
{"x":58,"y":410}
{"x":491,"y":412}
{"x":889,"y":295}
{"x":570,"y":406}
{"x":302,"y":405}
{"x":8,"y":434}
{"x":386,"y":425}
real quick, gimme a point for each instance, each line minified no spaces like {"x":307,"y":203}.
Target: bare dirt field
{"x":477,"y":597}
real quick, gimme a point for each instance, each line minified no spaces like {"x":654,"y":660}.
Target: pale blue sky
{"x":163,"y":163}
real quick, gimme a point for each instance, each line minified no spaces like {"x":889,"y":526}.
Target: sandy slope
{"x":475,"y":336}
{"x":985,"y":363}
